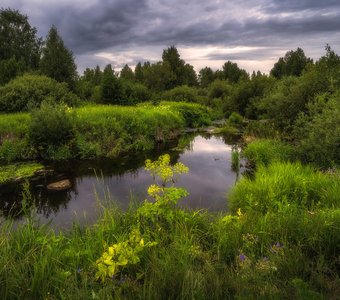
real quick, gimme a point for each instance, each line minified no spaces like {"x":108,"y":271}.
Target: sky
{"x":253,"y":33}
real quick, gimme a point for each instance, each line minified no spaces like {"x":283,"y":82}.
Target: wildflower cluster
{"x":165,"y":198}
{"x":251,"y":264}
{"x":161,"y":168}
{"x":121,"y":255}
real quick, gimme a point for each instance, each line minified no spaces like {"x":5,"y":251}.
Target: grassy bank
{"x":94,"y":131}
{"x":18,"y":172}
{"x":158,"y":251}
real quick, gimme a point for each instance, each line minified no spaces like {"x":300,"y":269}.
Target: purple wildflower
{"x":242,"y":257}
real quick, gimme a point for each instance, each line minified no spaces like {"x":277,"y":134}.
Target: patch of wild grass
{"x":13,"y":125}
{"x":282,"y":184}
{"x":265,"y":151}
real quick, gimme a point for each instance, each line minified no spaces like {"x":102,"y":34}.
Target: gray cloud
{"x":89,"y":27}
{"x":298,"y":5}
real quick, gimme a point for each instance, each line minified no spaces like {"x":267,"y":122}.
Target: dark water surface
{"x":96,"y":182}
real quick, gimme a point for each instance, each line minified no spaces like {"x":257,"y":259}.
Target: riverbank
{"x":94,"y":131}
{"x":19,"y":172}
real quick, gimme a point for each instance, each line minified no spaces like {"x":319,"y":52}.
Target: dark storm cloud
{"x":92,"y":26}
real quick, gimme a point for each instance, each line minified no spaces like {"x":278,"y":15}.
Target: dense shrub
{"x":51,"y":126}
{"x":134,"y":93}
{"x":181,"y":93}
{"x":285,"y":183}
{"x":317,"y":133}
{"x":264,"y":152}
{"x":219,"y":89}
{"x":235,"y":120}
{"x":28,"y":91}
{"x":195,"y":115}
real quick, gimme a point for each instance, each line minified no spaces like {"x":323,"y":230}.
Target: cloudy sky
{"x":253,"y":33}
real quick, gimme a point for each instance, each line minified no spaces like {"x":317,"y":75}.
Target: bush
{"x":219,"y":89}
{"x":51,"y":127}
{"x":235,"y":120}
{"x":134,"y":93}
{"x":264,"y":152}
{"x":285,"y":183}
{"x":317,"y":133}
{"x":28,"y":91}
{"x":195,"y":115}
{"x":181,"y":93}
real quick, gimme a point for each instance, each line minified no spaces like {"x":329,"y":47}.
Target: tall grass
{"x":282,"y":184}
{"x":13,"y":125}
{"x":265,"y":151}
{"x":198,"y":255}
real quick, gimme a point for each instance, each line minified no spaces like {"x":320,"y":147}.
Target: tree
{"x":329,"y":66}
{"x":10,"y":68}
{"x":233,"y":73}
{"x":20,"y":47}
{"x":206,"y":76}
{"x":127,"y":73}
{"x":139,"y":73}
{"x":159,"y":76}
{"x":176,"y":64}
{"x":57,"y":61}
{"x":97,"y":77}
{"x":292,"y":64}
{"x":110,"y":88}
{"x":189,"y":75}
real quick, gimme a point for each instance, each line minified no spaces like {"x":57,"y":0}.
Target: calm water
{"x":208,"y":181}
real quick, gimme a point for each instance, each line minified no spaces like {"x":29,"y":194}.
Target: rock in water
{"x":60,"y":185}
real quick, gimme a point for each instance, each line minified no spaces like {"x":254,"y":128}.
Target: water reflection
{"x":210,"y":176}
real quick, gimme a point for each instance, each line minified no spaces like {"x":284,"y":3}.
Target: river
{"x":98,"y":182}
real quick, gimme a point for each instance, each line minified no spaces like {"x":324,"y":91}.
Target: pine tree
{"x":127,"y":73}
{"x":110,"y":89}
{"x":139,"y":76}
{"x":57,"y":61}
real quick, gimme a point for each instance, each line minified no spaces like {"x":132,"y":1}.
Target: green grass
{"x":282,"y":184}
{"x":265,"y":151}
{"x":12,"y":172}
{"x":13,"y":125}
